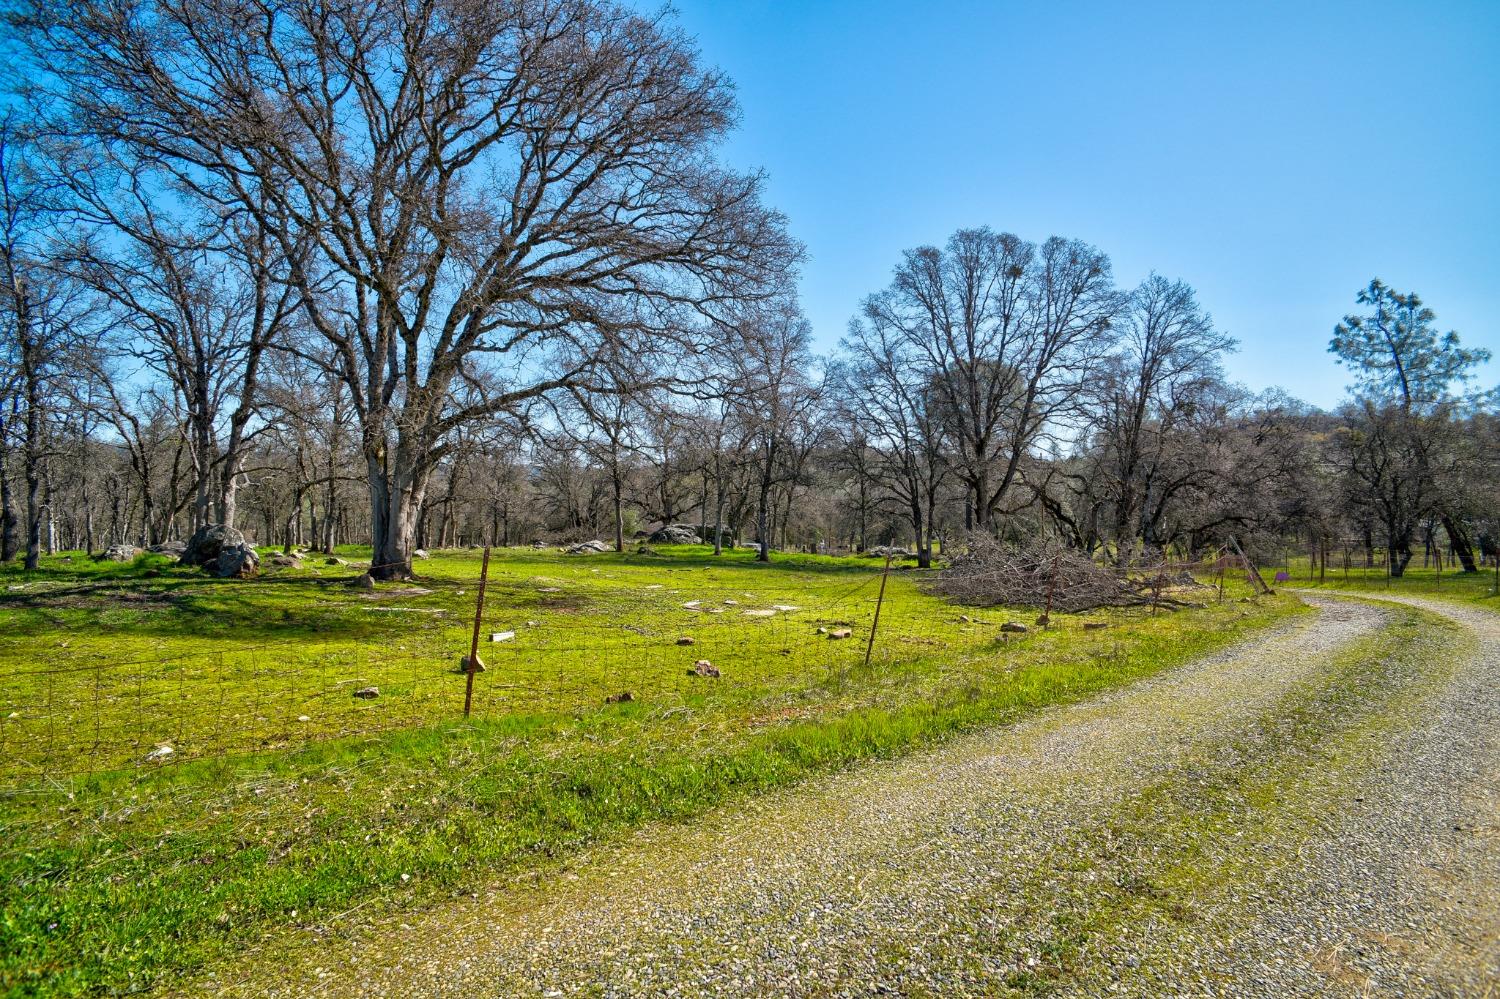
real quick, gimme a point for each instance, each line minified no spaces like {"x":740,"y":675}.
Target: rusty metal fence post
{"x":879,"y":600}
{"x":473,"y":663}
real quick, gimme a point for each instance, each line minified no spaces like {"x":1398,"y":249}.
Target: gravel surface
{"x":1400,"y":893}
{"x":1093,"y":849}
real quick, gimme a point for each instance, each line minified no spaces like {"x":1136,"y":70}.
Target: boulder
{"x":594,"y":547}
{"x":237,"y":562}
{"x":207,"y":542}
{"x":1015,"y":627}
{"x":364,"y":581}
{"x":674,"y":534}
{"x":704,"y":668}
{"x":334,"y":560}
{"x":174,"y":548}
{"x":420,"y":553}
{"x":645,"y":550}
{"x":284,"y":561}
{"x":120,"y":553}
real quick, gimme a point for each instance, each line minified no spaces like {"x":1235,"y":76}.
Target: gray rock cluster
{"x":223,"y":551}
{"x":674,"y":534}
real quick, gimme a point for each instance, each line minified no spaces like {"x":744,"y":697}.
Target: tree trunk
{"x":762,"y":524}
{"x":395,"y":503}
{"x":10,"y":521}
{"x":1458,"y":538}
{"x":618,"y":488}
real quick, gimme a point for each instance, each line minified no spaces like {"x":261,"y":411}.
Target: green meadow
{"x":288,"y":805}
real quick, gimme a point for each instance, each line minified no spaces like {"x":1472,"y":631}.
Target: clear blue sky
{"x":1276,"y":156}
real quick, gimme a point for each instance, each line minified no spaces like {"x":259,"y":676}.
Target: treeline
{"x":420,"y":275}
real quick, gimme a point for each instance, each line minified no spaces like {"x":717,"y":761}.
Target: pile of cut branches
{"x":1043,"y":573}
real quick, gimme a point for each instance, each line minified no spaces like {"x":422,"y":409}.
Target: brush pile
{"x":1043,"y":573}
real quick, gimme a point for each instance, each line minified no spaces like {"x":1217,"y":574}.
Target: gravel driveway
{"x":1270,"y":820}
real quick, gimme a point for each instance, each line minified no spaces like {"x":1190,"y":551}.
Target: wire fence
{"x":545,"y":647}
{"x":64,"y":719}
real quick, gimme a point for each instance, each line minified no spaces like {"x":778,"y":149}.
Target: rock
{"x":533,"y":624}
{"x":420,"y":553}
{"x":540,"y":545}
{"x":645,"y":550}
{"x":821,"y":631}
{"x":364,"y":581}
{"x":731,"y":603}
{"x":334,"y":560}
{"x":169,"y":548}
{"x":836,"y":633}
{"x":1014,"y":627}
{"x":463,"y":664}
{"x":594,"y":547}
{"x":704,"y":668}
{"x":119,"y":553}
{"x":161,"y":752}
{"x":303,"y":718}
{"x":692,"y":605}
{"x":1095,"y":625}
{"x":207,"y":542}
{"x":286,"y":561}
{"x":502,"y":636}
{"x":785,"y":608}
{"x":675,"y":534}
{"x":759,"y":613}
{"x":367,"y":693}
{"x":881,"y":551}
{"x":685,"y":640}
{"x":237,"y":562}
{"x":1043,"y":620}
{"x":623,"y":697}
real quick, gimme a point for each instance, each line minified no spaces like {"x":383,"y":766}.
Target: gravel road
{"x":1228,"y":828}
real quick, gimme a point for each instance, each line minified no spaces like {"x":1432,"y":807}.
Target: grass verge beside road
{"x":121,"y":880}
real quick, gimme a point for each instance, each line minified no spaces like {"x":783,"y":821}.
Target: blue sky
{"x":1276,"y":156}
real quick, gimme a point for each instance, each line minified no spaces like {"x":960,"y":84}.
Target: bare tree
{"x":888,"y":391}
{"x":1145,"y":403}
{"x":775,"y":398}
{"x":1009,"y":333}
{"x":505,"y":189}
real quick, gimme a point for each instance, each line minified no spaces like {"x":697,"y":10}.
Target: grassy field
{"x":287,"y":803}
{"x":1472,"y":588}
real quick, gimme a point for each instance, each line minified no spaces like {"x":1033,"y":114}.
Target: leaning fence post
{"x":484,"y":575}
{"x":879,"y":599}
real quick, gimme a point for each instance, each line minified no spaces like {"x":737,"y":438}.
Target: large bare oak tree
{"x":495,"y":195}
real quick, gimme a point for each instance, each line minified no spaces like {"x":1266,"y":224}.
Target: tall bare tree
{"x":492,"y":192}
{"x":1009,"y":333}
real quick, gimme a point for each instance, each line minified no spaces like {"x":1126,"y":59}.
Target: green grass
{"x":131,"y":874}
{"x":1459,"y":587}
